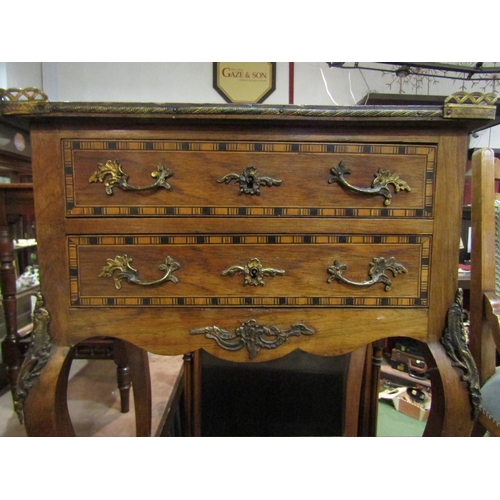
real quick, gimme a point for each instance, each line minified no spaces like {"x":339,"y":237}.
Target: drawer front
{"x":238,"y":179}
{"x":249,"y":271}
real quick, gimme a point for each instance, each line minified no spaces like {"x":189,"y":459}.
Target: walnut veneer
{"x":250,"y":264}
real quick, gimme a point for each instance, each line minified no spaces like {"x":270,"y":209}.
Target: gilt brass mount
{"x":455,"y":342}
{"x":120,"y":269}
{"x":112,"y":170}
{"x":252,"y":336}
{"x":35,"y":360}
{"x":250,"y":181}
{"x":27,"y":94}
{"x":379,"y":185}
{"x":470,"y":105}
{"x":253,"y":271}
{"x":377,"y":272}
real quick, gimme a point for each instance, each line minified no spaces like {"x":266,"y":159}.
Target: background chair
{"x":484,"y":334}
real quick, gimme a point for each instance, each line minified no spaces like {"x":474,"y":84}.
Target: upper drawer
{"x":234,"y":179}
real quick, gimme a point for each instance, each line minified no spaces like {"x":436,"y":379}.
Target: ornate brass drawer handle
{"x":120,"y":269}
{"x":252,"y":336}
{"x":253,"y":271}
{"x":379,"y":185}
{"x":118,"y":178}
{"x":250,"y":181}
{"x":377,"y":272}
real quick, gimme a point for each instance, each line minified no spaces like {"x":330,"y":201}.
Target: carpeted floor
{"x":392,"y":423}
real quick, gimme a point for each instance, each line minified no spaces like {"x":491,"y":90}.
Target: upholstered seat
{"x":490,"y":392}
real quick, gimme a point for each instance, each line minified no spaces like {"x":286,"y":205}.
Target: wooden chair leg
{"x":197,"y":394}
{"x":192,"y":393}
{"x":188,"y":393}
{"x":138,"y":363}
{"x":123,"y":375}
{"x":368,"y":409}
{"x":376,"y":365}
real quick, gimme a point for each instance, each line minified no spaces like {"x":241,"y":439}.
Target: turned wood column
{"x":10,"y":350}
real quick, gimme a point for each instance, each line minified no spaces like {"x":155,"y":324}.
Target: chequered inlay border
{"x":68,"y":147}
{"x":221,"y":301}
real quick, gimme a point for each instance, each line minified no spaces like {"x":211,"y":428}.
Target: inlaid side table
{"x":249,"y":232}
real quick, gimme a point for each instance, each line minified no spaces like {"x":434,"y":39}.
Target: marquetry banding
{"x":117,"y":147}
{"x":171,"y":241}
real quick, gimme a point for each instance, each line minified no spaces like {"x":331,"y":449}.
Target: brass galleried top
{"x":34,"y":102}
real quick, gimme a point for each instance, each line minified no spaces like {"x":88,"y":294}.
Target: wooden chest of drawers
{"x":247,"y":231}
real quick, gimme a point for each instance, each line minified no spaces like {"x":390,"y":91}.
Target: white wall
{"x":142,"y":82}
{"x":19,"y":75}
{"x":3,"y":75}
{"x":314,"y":84}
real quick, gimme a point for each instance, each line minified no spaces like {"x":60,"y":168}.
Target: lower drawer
{"x":255,"y":271}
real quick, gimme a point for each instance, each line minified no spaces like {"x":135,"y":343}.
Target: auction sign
{"x":245,"y":82}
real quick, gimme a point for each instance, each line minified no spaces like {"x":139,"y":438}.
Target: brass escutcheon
{"x":250,"y":181}
{"x":253,"y":271}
